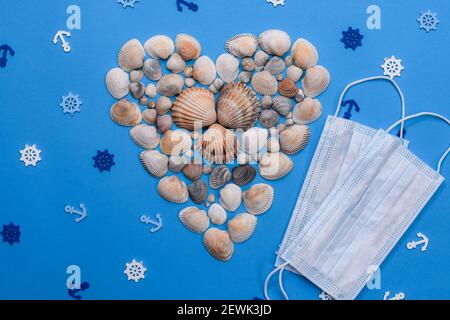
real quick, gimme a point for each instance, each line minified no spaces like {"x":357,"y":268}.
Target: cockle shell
{"x":218,"y":244}
{"x":269,"y":118}
{"x":258,"y":199}
{"x":198,"y":191}
{"x":176,"y":64}
{"x":164,"y":123}
{"x":155,"y":163}
{"x":175,"y":142}
{"x":316,"y":81}
{"x":304,"y":53}
{"x":261,"y":58}
{"x":307,"y":111}
{"x":242,"y":45}
{"x":294,"y":138}
{"x":117,"y":83}
{"x":243,"y":175}
{"x":287,"y":88}
{"x":177,"y":163}
{"x":150,"y":115}
{"x":238,"y":106}
{"x":170,"y":84}
{"x":294,"y":73}
{"x":194,"y":108}
{"x":159,"y":47}
{"x":282,"y":105}
{"x":219,"y":177}
{"x":275,"y":42}
{"x":265,"y":83}
{"x":163,"y":105}
{"x":187,"y":47}
{"x":231,"y":197}
{"x":217,"y":214}
{"x":193,"y":171}
{"x":245,"y":77}
{"x":136,"y":75}
{"x":218,"y":145}
{"x":274,"y":166}
{"x":248,"y":64}
{"x":173,"y":189}
{"x":152,"y":69}
{"x":194,"y":219}
{"x":131,"y":55}
{"x":266,"y":102}
{"x":145,"y":136}
{"x":151,"y":91}
{"x":242,"y":227}
{"x":276,"y":65}
{"x":204,"y":70}
{"x":126,"y":113}
{"x":227,"y":67}
{"x":254,"y":140}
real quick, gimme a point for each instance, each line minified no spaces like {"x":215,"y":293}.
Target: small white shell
{"x":155,"y":162}
{"x":316,"y":81}
{"x":274,"y":166}
{"x":204,"y":70}
{"x":131,"y":55}
{"x":307,"y":111}
{"x":217,"y":214}
{"x":261,"y":58}
{"x":159,"y":47}
{"x":145,"y":136}
{"x":173,"y":189}
{"x":258,"y":199}
{"x":176,"y":64}
{"x":150,"y":116}
{"x":152,"y":69}
{"x":151,"y":91}
{"x":118,"y":83}
{"x":231,"y":197}
{"x":265,"y":83}
{"x":294,"y":138}
{"x":170,"y":85}
{"x":218,"y":244}
{"x":275,"y":66}
{"x":304,"y":53}
{"x":194,"y":219}
{"x":294,"y":73}
{"x":242,"y":227}
{"x":242,"y":45}
{"x":227,"y":67}
{"x":275,"y":42}
{"x":187,"y":47}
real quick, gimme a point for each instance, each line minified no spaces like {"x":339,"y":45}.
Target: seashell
{"x":243,"y":175}
{"x":218,"y":145}
{"x":152,"y":69}
{"x":269,"y":118}
{"x":294,"y":138}
{"x":218,"y":244}
{"x":261,"y":58}
{"x":136,"y":75}
{"x":194,"y":219}
{"x":126,"y":113}
{"x":175,"y":142}
{"x":273,"y":145}
{"x":173,"y":189}
{"x":212,"y":198}
{"x":266,"y":102}
{"x":145,"y":136}
{"x":265,"y":83}
{"x":279,"y":77}
{"x":289,"y":61}
{"x":287,"y":88}
{"x":238,"y":106}
{"x":212,"y":89}
{"x":307,"y":111}
{"x":231,"y":197}
{"x":276,"y":65}
{"x":189,"y":82}
{"x":188,"y":72}
{"x":198,"y":191}
{"x":219,"y":177}
{"x":117,"y":83}
{"x":159,"y":47}
{"x":193,"y":171}
{"x":304,"y":53}
{"x":218,"y":84}
{"x":294,"y":73}
{"x":163,"y":105}
{"x":242,"y":45}
{"x":176,"y":64}
{"x":281,"y":126}
{"x":194,"y":108}
{"x":155,"y":163}
{"x":204,"y":70}
{"x":177,"y":163}
{"x":151,"y":105}
{"x":316,"y":81}
{"x":143,"y":101}
{"x":217,"y":214}
{"x":187,"y":47}
{"x":254,"y":140}
{"x":164,"y":123}
{"x":289,"y":122}
{"x":131,"y":55}
{"x":151,"y":91}
{"x":150,"y":115}
{"x":242,"y":227}
{"x":258,"y":199}
{"x":248,"y":64}
{"x":275,"y":42}
{"x":227,"y":67}
{"x":137,"y":90}
{"x":274,"y":166}
{"x":207,"y":169}
{"x":300,"y":96}
{"x":170,"y":84}
{"x":245,"y":77}
{"x":282,"y":105}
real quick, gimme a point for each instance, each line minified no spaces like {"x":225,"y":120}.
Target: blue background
{"x":178,"y":266}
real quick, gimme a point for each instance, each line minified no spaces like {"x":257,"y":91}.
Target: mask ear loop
{"x":341,"y":98}
{"x":280,"y":281}
{"x":422,"y":114}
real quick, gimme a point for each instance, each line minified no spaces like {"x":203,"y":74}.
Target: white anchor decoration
{"x":413,"y":244}
{"x":157,"y":224}
{"x":398,"y":296}
{"x":60,"y":36}
{"x":82,"y":212}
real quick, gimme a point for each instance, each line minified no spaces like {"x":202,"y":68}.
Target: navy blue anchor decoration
{"x":5,"y":49}
{"x":190,"y":5}
{"x":350,"y":104}
{"x":73,"y":292}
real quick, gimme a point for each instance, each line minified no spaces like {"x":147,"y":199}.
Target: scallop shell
{"x":258,"y":199}
{"x":231,"y":197}
{"x":307,"y":111}
{"x":276,"y":65}
{"x":219,"y":177}
{"x":261,"y":58}
{"x":242,"y":227}
{"x":265,"y":83}
{"x":218,"y":145}
{"x":254,"y":140}
{"x":152,"y":69}
{"x":155,"y":162}
{"x":177,"y":163}
{"x":173,"y":189}
{"x":131,"y":55}
{"x":198,"y":191}
{"x":217,"y":214}
{"x":316,"y":81}
{"x":149,"y":115}
{"x":194,"y":108}
{"x":274,"y":166}
{"x":145,"y":136}
{"x":126,"y":113}
{"x":176,"y":64}
{"x":187,"y":47}
{"x":218,"y":244}
{"x":170,"y":84}
{"x":242,"y":45}
{"x":269,"y":118}
{"x":275,"y":42}
{"x":282,"y":105}
{"x":227,"y":67}
{"x":287,"y":88}
{"x":304,"y":53}
{"x":159,"y":47}
{"x":294,"y":73}
{"x":294,"y":138}
{"x":238,"y":106}
{"x":204,"y":70}
{"x":243,"y":175}
{"x":164,"y":123}
{"x":163,"y":105}
{"x":194,"y":219}
{"x":117,"y":83}
{"x":175,"y":142}
{"x":193,"y":171}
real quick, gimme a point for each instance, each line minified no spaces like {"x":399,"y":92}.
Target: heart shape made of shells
{"x":258,"y":78}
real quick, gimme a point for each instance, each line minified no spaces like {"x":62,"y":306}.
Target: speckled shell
{"x":145,"y":136}
{"x":258,"y":199}
{"x":154,"y":162}
{"x":173,"y":189}
{"x":282,"y":105}
{"x":287,"y":88}
{"x":275,"y":42}
{"x":269,"y":118}
{"x":274,"y":166}
{"x":242,"y":227}
{"x":193,"y":171}
{"x":175,"y":142}
{"x":264,"y":83}
{"x":307,"y":111}
{"x":194,"y":219}
{"x":118,"y":83}
{"x":304,"y":53}
{"x":243,"y":175}
{"x":204,"y":70}
{"x":126,"y":113}
{"x":170,"y":84}
{"x":159,"y":47}
{"x":294,"y":138}
{"x":231,"y":197}
{"x":218,"y":244}
{"x":187,"y":47}
{"x":242,"y":45}
{"x":152,"y":70}
{"x":227,"y":67}
{"x":217,"y":214}
{"x":218,"y":145}
{"x":316,"y":81}
{"x":176,"y":64}
{"x":219,"y":177}
{"x":131,"y":55}
{"x":198,"y":191}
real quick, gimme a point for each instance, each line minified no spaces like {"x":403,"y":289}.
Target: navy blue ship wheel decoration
{"x":190,"y":5}
{"x":4,"y":51}
{"x":11,"y":233}
{"x":350,"y":104}
{"x":103,"y":161}
{"x":352,"y":38}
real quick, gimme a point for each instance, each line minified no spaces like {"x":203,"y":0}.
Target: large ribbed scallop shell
{"x":145,"y":136}
{"x":118,"y":83}
{"x":204,"y":70}
{"x":294,"y":138}
{"x":131,"y":55}
{"x":219,"y":177}
{"x":243,"y":175}
{"x":218,"y":244}
{"x":198,"y":191}
{"x":242,"y":227}
{"x":194,"y":106}
{"x":304,"y":53}
{"x":218,"y":145}
{"x":217,"y":214}
{"x":175,"y":142}
{"x":264,"y":83}
{"x":173,"y":189}
{"x":238,"y":106}
{"x":126,"y":113}
{"x":227,"y":67}
{"x":316,"y":81}
{"x":274,"y":166}
{"x":194,"y":219}
{"x":159,"y":47}
{"x":258,"y":199}
{"x":307,"y":111}
{"x":231,"y":197}
{"x":187,"y":47}
{"x":275,"y":42}
{"x":154,"y":162}
{"x":242,"y":45}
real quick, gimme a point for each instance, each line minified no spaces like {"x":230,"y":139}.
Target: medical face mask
{"x":340,"y":144}
{"x":364,"y":216}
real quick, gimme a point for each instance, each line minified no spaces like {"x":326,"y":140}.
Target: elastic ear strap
{"x":269,"y":276}
{"x":341,"y":98}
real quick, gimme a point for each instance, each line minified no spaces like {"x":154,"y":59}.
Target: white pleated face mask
{"x":340,"y":144}
{"x":364,"y":216}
